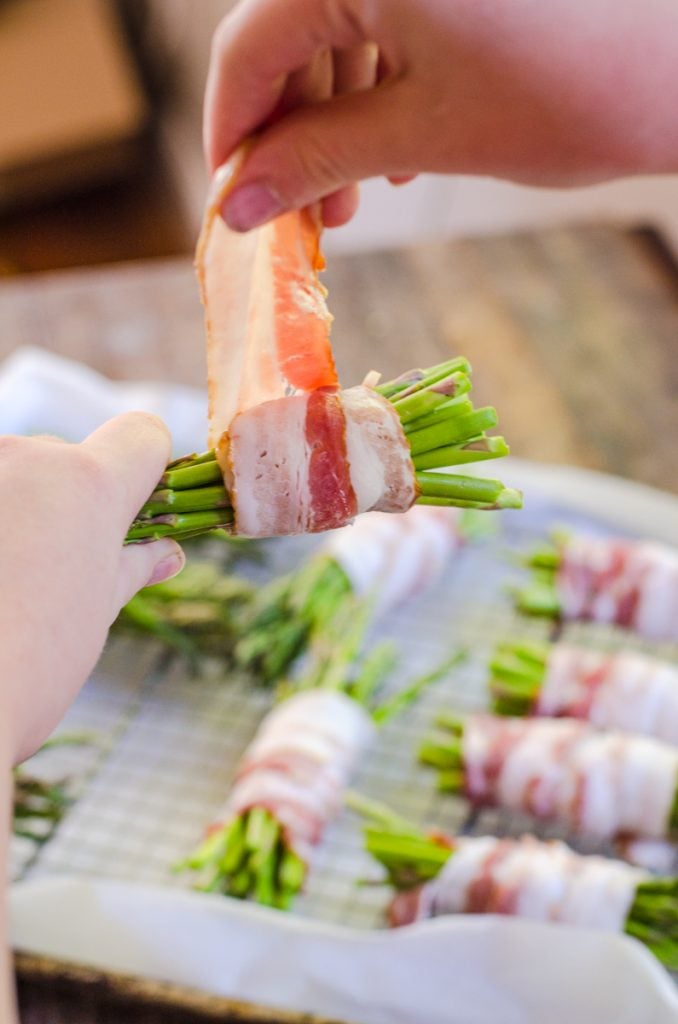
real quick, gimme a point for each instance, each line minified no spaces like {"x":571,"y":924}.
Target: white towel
{"x":42,"y":393}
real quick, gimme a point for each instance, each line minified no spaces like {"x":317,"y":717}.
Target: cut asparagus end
{"x":517,"y":671}
{"x":248,"y":858}
{"x":653,"y":918}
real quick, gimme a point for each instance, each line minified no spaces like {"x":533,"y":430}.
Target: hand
{"x":65,"y":573}
{"x":543,"y":93}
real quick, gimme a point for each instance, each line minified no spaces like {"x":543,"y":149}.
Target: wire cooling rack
{"x":166,"y":743}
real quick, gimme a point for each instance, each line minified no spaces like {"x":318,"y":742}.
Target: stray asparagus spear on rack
{"x":628,"y":583}
{"x":621,"y":690}
{"x":290,"y":780}
{"x":435,"y":874}
{"x":438,"y":426}
{"x":601,"y":785}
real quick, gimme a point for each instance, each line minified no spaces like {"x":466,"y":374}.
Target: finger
{"x":340,"y":207}
{"x":401,"y":179}
{"x":318,"y":150}
{"x":311,"y":84}
{"x":355,"y":69}
{"x":142,"y":565}
{"x":254,"y":50}
{"x":132,"y":450}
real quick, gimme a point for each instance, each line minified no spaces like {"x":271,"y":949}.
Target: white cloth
{"x":42,"y":393}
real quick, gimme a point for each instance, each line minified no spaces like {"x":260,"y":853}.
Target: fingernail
{"x":168,"y":567}
{"x":249,"y":206}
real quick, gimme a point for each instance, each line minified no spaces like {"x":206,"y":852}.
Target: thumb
{"x":317,"y":150}
{"x":143,"y":564}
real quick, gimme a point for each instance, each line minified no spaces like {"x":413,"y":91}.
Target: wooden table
{"x":572,"y":333}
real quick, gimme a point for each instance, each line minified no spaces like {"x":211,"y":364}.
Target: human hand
{"x":548,"y":94}
{"x":65,"y":573}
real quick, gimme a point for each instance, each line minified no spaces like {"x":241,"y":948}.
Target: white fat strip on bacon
{"x":633,"y":584}
{"x":392,"y":558}
{"x":626,"y":691}
{"x":299,"y":763}
{"x":269,"y":462}
{"x":601,"y":785}
{"x":542,"y":881}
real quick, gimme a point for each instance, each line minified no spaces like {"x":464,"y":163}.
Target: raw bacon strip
{"x":603,"y":785}
{"x":541,"y":881}
{"x":393,"y":558}
{"x":626,"y":691}
{"x":299,"y":763}
{"x":266,"y":317}
{"x":308,"y":463}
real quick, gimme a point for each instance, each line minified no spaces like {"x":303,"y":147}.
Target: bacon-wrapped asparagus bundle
{"x":603,"y":785}
{"x":439,"y":427}
{"x":289,"y":451}
{"x":626,"y":691}
{"x":386,"y":559}
{"x":291,"y":778}
{"x":435,"y":874}
{"x":627,"y":583}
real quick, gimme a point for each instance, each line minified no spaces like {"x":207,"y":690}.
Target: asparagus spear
{"x":414,"y":859}
{"x":252,"y":854}
{"x":517,"y":672}
{"x":439,"y":420}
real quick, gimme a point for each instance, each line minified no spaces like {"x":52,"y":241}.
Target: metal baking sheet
{"x":167,"y":742}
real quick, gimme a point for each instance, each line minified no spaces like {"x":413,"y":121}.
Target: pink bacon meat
{"x":633,"y":584}
{"x":393,"y":558}
{"x":602,"y":785}
{"x":625,"y":691}
{"x":299,"y":763}
{"x":542,"y":881}
{"x":297,"y":454}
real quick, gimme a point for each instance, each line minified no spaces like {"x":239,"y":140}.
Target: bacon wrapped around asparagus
{"x":626,"y":691}
{"x":602,"y":785}
{"x":628,"y":583}
{"x":289,"y":451}
{"x":385,"y":559}
{"x":435,"y":874}
{"x":290,"y":781}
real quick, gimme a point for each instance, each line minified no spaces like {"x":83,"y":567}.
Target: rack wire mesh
{"x":165,"y":742}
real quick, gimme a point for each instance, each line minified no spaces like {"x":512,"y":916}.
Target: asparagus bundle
{"x":38,"y":805}
{"x":386,"y":559}
{"x":438,"y":421}
{"x":290,"y":780}
{"x":435,"y":874}
{"x":601,"y":785}
{"x":632,"y":584}
{"x":196,"y":613}
{"x":626,"y":691}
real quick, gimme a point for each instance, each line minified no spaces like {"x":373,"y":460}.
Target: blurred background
{"x":101,"y":161}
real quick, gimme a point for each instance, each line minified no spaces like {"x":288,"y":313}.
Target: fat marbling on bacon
{"x":624,"y":690}
{"x":633,"y":584}
{"x":299,"y":763}
{"x":602,"y":785}
{"x":542,"y":881}
{"x":297,"y":454}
